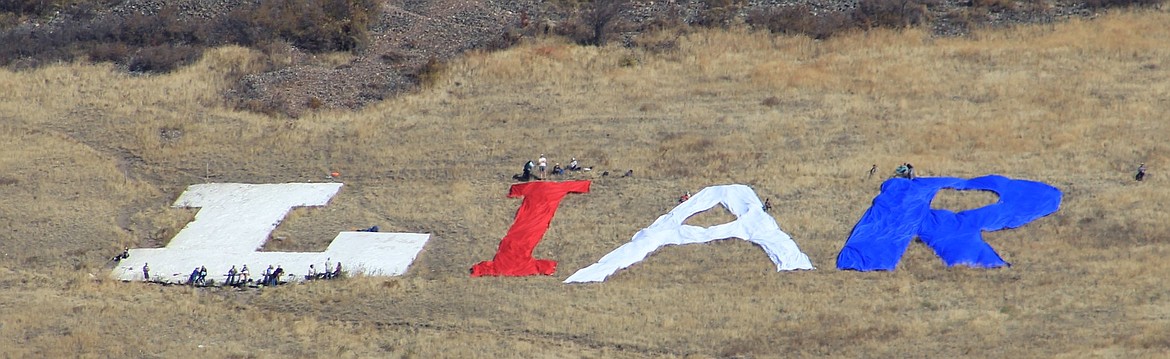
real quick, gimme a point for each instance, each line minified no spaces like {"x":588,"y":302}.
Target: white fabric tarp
{"x":236,"y":219}
{"x":752,"y":224}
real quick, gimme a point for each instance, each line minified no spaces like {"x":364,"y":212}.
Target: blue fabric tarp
{"x":902,"y":211}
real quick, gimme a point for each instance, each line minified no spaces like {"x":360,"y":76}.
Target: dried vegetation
{"x":92,"y":157}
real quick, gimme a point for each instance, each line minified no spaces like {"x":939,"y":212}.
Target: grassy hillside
{"x":92,"y":159}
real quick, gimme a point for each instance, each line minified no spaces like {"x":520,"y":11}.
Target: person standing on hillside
{"x":231,"y":276}
{"x":872,"y":170}
{"x":1141,"y":172}
{"x":145,"y":272}
{"x":542,"y":163}
{"x":279,"y":272}
{"x":193,"y":277}
{"x":202,"y":275}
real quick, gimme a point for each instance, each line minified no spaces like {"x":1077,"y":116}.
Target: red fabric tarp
{"x":514,"y":258}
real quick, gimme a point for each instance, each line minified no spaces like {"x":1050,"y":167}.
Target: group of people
{"x":906,"y":170}
{"x":235,"y":277}
{"x":198,"y":276}
{"x":120,"y":256}
{"x":271,"y":276}
{"x":541,"y":166}
{"x":325,"y":274}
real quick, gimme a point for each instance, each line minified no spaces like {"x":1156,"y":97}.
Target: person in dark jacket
{"x":276,"y":275}
{"x":194,"y":277}
{"x":202,"y":276}
{"x":231,"y":276}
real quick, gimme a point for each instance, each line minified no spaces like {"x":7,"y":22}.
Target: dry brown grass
{"x":93,"y":158}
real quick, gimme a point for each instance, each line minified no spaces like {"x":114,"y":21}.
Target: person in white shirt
{"x":244,"y":274}
{"x":541,"y":162}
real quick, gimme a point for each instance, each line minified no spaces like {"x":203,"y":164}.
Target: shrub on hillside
{"x":162,"y":58}
{"x":574,"y":29}
{"x":141,"y":30}
{"x":800,"y":19}
{"x":311,"y":25}
{"x":995,"y":5}
{"x":1102,"y":4}
{"x":164,"y":40}
{"x":8,"y":20}
{"x":109,"y":52}
{"x":431,"y":72}
{"x":593,"y":23}
{"x":890,"y":13}
{"x":719,"y":13}
{"x":36,"y":8}
{"x":12,"y":12}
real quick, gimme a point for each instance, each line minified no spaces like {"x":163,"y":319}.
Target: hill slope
{"x":93,"y":157}
{"x":347,"y":54}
